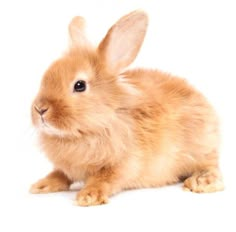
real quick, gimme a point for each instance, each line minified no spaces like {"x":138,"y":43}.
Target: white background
{"x":193,"y":39}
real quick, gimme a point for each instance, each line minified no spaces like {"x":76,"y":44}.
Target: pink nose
{"x":41,"y":111}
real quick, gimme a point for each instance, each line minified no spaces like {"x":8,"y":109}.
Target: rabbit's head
{"x":81,"y":92}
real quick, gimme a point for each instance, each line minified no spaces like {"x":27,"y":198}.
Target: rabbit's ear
{"x":77,"y":32}
{"x":123,"y":41}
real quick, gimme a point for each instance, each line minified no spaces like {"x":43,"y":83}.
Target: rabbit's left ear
{"x":122,"y":43}
{"x":77,"y":32}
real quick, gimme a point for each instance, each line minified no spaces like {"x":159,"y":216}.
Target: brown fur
{"x":129,"y":129}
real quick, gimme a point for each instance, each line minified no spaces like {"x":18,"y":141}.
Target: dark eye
{"x":80,"y":86}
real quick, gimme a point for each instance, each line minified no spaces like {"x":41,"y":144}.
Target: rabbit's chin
{"x":51,"y":130}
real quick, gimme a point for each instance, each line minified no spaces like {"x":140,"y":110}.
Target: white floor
{"x":164,"y":209}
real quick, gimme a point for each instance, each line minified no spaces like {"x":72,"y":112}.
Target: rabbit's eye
{"x":80,"y":86}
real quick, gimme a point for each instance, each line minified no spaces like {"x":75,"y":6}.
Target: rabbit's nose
{"x":41,"y":111}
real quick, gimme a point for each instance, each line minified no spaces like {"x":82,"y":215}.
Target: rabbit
{"x":114,"y":128}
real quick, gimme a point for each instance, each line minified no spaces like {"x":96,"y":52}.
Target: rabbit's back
{"x":174,"y":121}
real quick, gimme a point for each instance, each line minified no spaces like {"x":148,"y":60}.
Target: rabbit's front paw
{"x":91,"y":196}
{"x":48,"y":185}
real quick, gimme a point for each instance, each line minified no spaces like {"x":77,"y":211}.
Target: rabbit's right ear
{"x":123,"y":41}
{"x":77,"y":32}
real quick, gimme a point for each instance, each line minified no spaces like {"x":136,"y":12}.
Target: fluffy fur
{"x":129,"y":129}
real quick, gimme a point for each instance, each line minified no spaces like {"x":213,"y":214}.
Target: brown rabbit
{"x":116,"y":129}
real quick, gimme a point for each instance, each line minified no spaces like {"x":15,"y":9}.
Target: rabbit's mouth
{"x":49,"y":122}
{"x":44,"y":126}
{"x":41,"y":120}
{"x":47,"y":128}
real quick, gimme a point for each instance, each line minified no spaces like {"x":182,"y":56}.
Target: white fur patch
{"x":128,"y":86}
{"x":82,"y":75}
{"x":49,"y":129}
